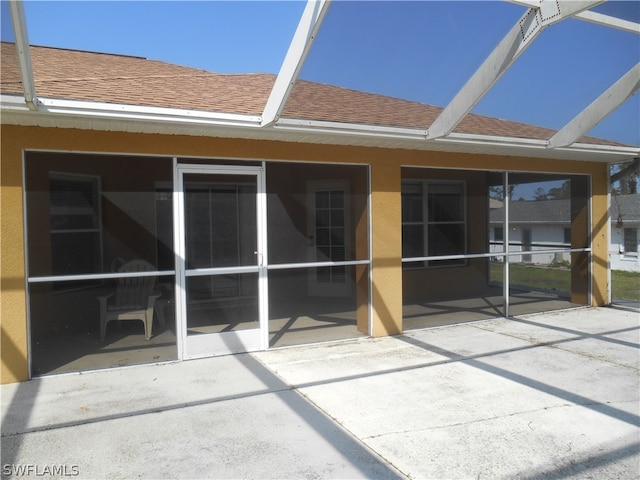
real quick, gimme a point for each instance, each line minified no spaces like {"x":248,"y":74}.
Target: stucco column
{"x":13,"y":313}
{"x":386,"y":247}
{"x":600,"y":235}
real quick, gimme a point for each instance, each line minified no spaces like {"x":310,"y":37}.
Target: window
{"x":498,"y":234}
{"x":631,"y":241}
{"x":433,"y":221}
{"x":76,"y":239}
{"x":567,"y":236}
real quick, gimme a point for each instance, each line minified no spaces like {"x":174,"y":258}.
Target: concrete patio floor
{"x":551,"y":395}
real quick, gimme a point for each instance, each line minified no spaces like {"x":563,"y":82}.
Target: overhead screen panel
{"x":403,"y":50}
{"x":216,"y":38}
{"x":222,"y":37}
{"x":409,"y":58}
{"x":6,"y":28}
{"x":627,"y":115}
{"x":424,"y":53}
{"x":567,"y":67}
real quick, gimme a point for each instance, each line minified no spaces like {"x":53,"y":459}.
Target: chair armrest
{"x":152,"y":299}
{"x":103,"y":299}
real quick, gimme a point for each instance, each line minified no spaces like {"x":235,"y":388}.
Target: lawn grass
{"x":625,"y":285}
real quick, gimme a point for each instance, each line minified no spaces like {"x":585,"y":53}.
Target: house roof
{"x":63,"y":74}
{"x":532,"y":211}
{"x":80,"y":75}
{"x":625,"y":207}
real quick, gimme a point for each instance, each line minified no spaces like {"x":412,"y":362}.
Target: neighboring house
{"x":139,"y":190}
{"x":534,"y":226}
{"x":544,"y":225}
{"x":625,"y":232}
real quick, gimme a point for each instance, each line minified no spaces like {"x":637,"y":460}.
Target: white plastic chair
{"x":133,"y":299}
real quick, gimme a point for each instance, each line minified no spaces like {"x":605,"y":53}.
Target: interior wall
{"x":386,"y":241}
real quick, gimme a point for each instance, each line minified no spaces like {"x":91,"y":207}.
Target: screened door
{"x":220,"y":251}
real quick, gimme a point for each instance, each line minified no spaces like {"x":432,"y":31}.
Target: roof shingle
{"x":110,"y":78}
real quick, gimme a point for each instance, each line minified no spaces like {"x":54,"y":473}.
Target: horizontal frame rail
{"x":495,"y":254}
{"x":199,"y":272}
{"x":99,"y":276}
{"x":284,"y":266}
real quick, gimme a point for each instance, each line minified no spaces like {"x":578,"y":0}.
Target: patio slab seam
{"x":557,"y":344}
{"x":138,"y":413}
{"x":486,"y":419}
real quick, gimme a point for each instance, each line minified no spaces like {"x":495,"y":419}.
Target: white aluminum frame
{"x":627,"y":86}
{"x":205,"y":345}
{"x":308,"y":28}
{"x":591,"y":17}
{"x":19,"y":23}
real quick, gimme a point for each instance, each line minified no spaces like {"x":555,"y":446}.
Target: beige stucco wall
{"x":386,"y":241}
{"x":13,"y":325}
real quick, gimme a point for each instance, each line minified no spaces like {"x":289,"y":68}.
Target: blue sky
{"x":420,"y":50}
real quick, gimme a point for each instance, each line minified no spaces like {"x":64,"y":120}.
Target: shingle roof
{"x":554,"y":211}
{"x":110,"y":78}
{"x":627,"y":207}
{"x":535,"y":211}
{"x":78,"y":75}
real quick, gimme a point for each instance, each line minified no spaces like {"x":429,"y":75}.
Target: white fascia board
{"x":592,"y":17}
{"x":628,"y":152}
{"x":321,"y":126}
{"x":515,"y":42}
{"x":134,"y":112}
{"x":299,"y":47}
{"x":417,"y":137}
{"x":19,"y":24}
{"x":399,"y":137}
{"x":602,"y":106}
{"x":531,"y":143}
{"x":477,"y":139}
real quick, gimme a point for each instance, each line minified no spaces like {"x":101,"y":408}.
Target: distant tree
{"x":540,"y":194}
{"x":497,"y":192}
{"x":626,"y":185}
{"x":561,"y":192}
{"x":555,"y":193}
